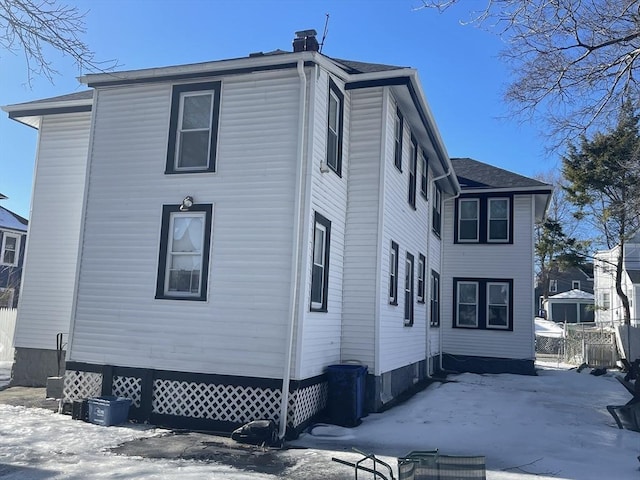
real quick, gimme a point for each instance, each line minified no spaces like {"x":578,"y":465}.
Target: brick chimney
{"x":306,"y":41}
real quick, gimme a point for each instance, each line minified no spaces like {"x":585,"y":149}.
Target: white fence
{"x":7,"y":327}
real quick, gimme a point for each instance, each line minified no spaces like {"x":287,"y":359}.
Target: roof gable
{"x":12,"y":221}
{"x":473,"y":175}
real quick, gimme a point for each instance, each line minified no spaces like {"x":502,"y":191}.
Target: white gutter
{"x":293,"y":294}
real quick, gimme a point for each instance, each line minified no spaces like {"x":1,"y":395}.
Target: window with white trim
{"x":184,"y":253}
{"x":483,"y":303}
{"x":482,"y":219}
{"x":435,"y":299}
{"x":335,"y":113}
{"x":393,"y":274}
{"x":320,"y":267}
{"x":553,"y":286}
{"x":497,"y":305}
{"x":413,"y":166}
{"x":468,"y":220}
{"x":10,"y":251}
{"x":606,"y":300}
{"x":498,"y":220}
{"x":421,"y":280}
{"x":424,"y":174}
{"x":467,"y":304}
{"x":193,"y":128}
{"x":408,"y":290}
{"x":436,"y":217}
{"x":397,"y":151}
{"x":575,"y":284}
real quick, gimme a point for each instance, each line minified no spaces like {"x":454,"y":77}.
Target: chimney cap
{"x":306,"y":33}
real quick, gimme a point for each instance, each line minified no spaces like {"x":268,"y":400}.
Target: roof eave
{"x":31,"y":113}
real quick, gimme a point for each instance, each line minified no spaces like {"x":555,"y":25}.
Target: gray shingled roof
{"x":69,"y":97}
{"x":634,"y":275}
{"x":473,"y":174}
{"x":353,"y":66}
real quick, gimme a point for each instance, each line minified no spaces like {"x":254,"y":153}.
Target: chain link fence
{"x":581,"y":343}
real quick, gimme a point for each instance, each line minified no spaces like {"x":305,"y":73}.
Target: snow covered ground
{"x":554,"y":425}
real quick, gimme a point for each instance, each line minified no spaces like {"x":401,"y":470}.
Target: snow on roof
{"x":574,"y":294}
{"x":12,"y":221}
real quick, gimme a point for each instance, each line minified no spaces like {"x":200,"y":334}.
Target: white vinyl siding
{"x":118,"y":320}
{"x":362,"y":276}
{"x":320,"y":331}
{"x":46,"y":293}
{"x":479,"y":261}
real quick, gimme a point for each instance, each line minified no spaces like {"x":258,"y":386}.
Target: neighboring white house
{"x":240,"y":225}
{"x":609,"y":310}
{"x":488,"y":272}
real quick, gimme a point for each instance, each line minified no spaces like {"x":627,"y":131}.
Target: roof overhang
{"x":31,"y":113}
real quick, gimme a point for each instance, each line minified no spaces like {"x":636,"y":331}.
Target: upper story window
{"x":606,"y":300}
{"x":498,"y":219}
{"x":483,"y":303}
{"x":553,"y":286}
{"x":483,"y":219}
{"x":193,"y":128}
{"x":575,"y":284}
{"x":320,"y":268}
{"x":436,"y":208}
{"x":399,"y":129}
{"x":335,"y":113}
{"x":10,"y":251}
{"x":393,"y":274}
{"x":183,"y":264}
{"x":468,"y":220}
{"x":413,"y":167}
{"x":424,"y":173}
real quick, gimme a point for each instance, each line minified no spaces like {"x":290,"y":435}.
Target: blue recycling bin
{"x":347,"y":384}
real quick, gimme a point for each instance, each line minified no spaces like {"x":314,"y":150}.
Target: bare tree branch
{"x":33,"y":26}
{"x":573,"y":62}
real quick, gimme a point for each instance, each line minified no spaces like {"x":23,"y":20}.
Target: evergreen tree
{"x":604,"y":183}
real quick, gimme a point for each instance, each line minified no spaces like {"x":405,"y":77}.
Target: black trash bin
{"x":347,"y":385}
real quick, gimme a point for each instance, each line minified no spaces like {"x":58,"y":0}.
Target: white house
{"x":609,"y":310}
{"x":487,"y":282}
{"x":237,"y":226}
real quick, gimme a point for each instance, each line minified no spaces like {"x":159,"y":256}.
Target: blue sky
{"x":462,"y":76}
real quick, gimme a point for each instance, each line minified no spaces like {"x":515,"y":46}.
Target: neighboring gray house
{"x":488,"y":269}
{"x":237,"y":226}
{"x":13,"y":241}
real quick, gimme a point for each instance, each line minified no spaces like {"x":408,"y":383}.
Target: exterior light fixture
{"x":187,"y":203}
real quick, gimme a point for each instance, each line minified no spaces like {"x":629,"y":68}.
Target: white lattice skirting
{"x":228,"y":403}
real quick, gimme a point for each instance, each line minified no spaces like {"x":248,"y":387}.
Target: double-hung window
{"x":483,"y":219}
{"x":436,"y":219}
{"x":435,"y":299}
{"x":408,"y":290}
{"x":10,"y":250}
{"x":397,"y":152}
{"x":468,"y":220}
{"x":497,"y":305}
{"x":467,"y":304}
{"x":320,"y":268}
{"x":483,"y":303}
{"x":553,"y":286}
{"x":413,"y":166}
{"x":424,"y":174}
{"x":421,"y":273}
{"x":498,"y":219}
{"x":335,"y":113}
{"x":606,"y":300}
{"x":393,"y":274}
{"x":575,"y":284}
{"x":193,"y":128}
{"x":183,"y":263}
